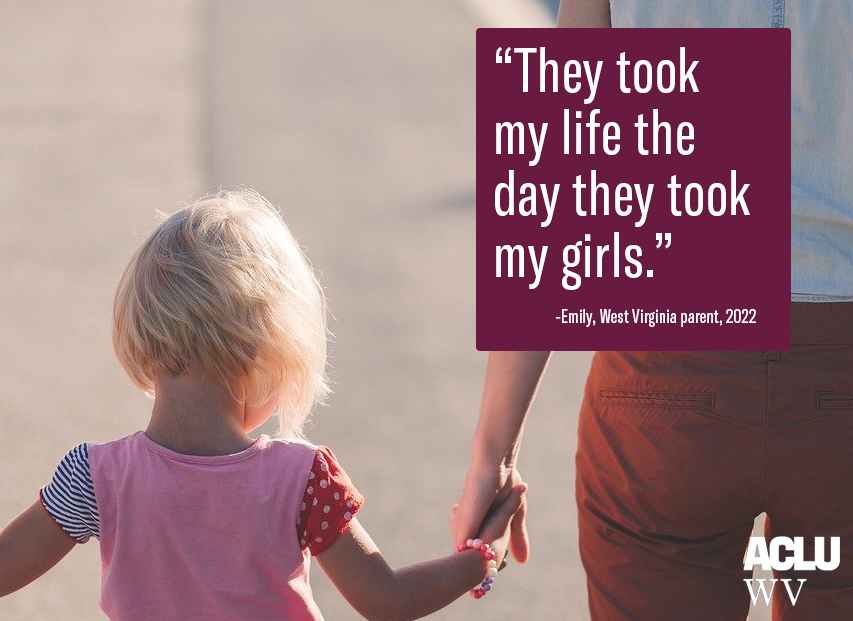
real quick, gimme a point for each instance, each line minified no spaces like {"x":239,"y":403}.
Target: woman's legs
{"x":669,"y":475}
{"x":678,"y":452}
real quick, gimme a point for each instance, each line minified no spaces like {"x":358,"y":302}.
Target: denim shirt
{"x":821,"y":121}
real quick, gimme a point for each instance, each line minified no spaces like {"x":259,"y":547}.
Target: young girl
{"x":220,"y":318}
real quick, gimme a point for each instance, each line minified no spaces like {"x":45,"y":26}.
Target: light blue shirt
{"x":821,"y":121}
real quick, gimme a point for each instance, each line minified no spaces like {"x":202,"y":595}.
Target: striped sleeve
{"x":69,"y":498}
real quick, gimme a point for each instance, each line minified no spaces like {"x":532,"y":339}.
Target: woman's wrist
{"x":488,"y":454}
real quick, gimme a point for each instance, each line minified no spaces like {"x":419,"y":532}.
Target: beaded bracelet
{"x":489,"y":556}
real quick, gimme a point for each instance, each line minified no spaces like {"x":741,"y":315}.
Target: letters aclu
{"x":784,"y":554}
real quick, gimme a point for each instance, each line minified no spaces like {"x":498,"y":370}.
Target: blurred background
{"x":357,"y":120}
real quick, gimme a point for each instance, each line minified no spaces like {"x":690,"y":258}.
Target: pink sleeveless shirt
{"x":202,"y":538}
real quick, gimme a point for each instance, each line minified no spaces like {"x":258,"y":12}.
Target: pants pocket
{"x":833,"y":400}
{"x":659,"y":399}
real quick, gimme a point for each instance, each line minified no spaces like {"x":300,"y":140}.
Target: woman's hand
{"x":496,"y":529}
{"x":487,"y":488}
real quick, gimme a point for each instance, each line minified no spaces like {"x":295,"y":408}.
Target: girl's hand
{"x":496,"y":527}
{"x":376,"y":591}
{"x":487,"y":489}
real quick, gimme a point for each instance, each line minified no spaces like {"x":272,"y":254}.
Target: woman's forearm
{"x":509,"y":388}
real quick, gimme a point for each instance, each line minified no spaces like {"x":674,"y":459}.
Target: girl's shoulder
{"x":321,"y":458}
{"x":104,"y":446}
{"x":288,"y":449}
{"x":287,"y":443}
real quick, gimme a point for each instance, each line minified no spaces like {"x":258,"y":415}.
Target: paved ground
{"x":358,"y":120}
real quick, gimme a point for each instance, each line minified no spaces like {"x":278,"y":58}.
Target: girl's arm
{"x":380,"y":593}
{"x":29,"y":546}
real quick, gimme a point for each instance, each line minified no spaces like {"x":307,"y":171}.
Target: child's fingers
{"x":499,"y":518}
{"x":472,"y":509}
{"x":519,"y":541}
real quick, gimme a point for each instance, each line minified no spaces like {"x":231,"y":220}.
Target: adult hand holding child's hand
{"x":509,"y":388}
{"x":495,"y":529}
{"x":487,"y":499}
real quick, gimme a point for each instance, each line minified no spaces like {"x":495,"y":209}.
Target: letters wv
{"x":784,"y":554}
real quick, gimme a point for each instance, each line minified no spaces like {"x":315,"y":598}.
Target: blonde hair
{"x":221,"y":285}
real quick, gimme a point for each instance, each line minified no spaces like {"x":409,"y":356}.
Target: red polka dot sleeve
{"x":330,"y":502}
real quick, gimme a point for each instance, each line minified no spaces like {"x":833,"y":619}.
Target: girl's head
{"x":221,"y":289}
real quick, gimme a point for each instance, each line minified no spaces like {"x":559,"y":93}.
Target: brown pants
{"x":679,"y":452}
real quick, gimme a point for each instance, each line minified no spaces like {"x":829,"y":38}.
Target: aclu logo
{"x":787,"y":554}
